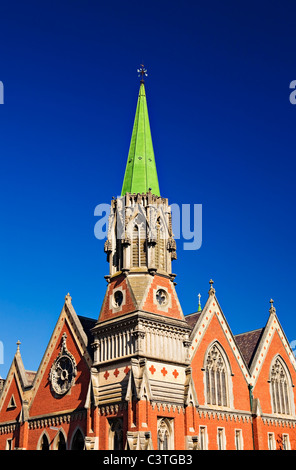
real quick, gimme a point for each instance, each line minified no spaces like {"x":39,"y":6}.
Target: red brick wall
{"x":45,"y":401}
{"x":106,"y":312}
{"x":239,"y":384}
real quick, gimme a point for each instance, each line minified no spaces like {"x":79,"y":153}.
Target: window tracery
{"x":216,"y":378}
{"x":280,"y":388}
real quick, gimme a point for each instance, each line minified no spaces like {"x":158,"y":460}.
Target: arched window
{"x":280,"y":387}
{"x":216,"y":374}
{"x":44,"y":444}
{"x":139,"y":246}
{"x":160,"y":255}
{"x":78,"y":441}
{"x":116,"y":434}
{"x":165,"y":438}
{"x":60,"y":443}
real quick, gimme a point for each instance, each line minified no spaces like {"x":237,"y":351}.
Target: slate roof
{"x":30,"y":375}
{"x":248,"y":342}
{"x":192,"y":318}
{"x":87,"y":324}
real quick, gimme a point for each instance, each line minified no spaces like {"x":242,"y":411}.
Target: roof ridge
{"x":193,"y":313}
{"x":88,"y":318}
{"x":250,"y":331}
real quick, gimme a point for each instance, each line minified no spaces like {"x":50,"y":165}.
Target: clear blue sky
{"x":223,"y":130}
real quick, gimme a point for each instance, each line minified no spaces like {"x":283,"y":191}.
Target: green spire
{"x":140,"y":172}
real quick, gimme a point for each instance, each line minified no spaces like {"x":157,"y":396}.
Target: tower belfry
{"x":141,"y":324}
{"x":140,"y":243}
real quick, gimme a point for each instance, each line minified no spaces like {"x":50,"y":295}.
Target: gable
{"x":68,"y":342}
{"x":211,"y":328}
{"x":11,"y":398}
{"x":212,"y":320}
{"x":272,"y":341}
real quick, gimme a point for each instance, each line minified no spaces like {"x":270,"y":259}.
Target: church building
{"x":144,"y":376}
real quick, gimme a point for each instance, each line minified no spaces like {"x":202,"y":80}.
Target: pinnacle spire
{"x":140,"y":173}
{"x":199,"y":305}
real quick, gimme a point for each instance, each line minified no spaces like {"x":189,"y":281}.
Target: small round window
{"x":162,"y":297}
{"x":118,"y":298}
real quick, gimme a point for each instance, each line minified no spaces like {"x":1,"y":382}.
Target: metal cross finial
{"x":199,"y":306}
{"x":142,"y":72}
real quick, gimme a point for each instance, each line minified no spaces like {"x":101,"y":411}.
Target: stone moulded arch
{"x":60,"y":440}
{"x":44,"y":441}
{"x":116,"y":434}
{"x":217,"y":370}
{"x":165,"y":433}
{"x":281,"y":387}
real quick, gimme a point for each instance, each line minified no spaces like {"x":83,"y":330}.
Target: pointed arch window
{"x":165,"y":437}
{"x":139,"y":246}
{"x":44,"y":444}
{"x":216,"y":375}
{"x":280,"y":387}
{"x":116,"y":434}
{"x":60,"y":442}
{"x":160,"y":245}
{"x":78,"y":441}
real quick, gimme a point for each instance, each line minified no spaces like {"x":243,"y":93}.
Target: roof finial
{"x":212,"y":290}
{"x":18,"y":345}
{"x":199,"y":306}
{"x":68,"y":298}
{"x":272,"y":309}
{"x":142,"y":72}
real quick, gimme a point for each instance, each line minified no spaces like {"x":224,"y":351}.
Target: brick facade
{"x":143,"y":376}
{"x":30,"y":409}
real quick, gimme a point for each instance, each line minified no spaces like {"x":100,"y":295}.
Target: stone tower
{"x":141,"y":328}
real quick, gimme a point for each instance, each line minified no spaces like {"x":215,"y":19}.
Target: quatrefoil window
{"x":162,"y":297}
{"x":117,"y":298}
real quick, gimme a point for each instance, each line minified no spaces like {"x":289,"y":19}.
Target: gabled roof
{"x":87,"y":324}
{"x":192,"y":318}
{"x":17,"y":372}
{"x":248,"y":343}
{"x":140,"y":172}
{"x":30,"y":375}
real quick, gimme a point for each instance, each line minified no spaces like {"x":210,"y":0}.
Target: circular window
{"x":162,"y":297}
{"x":117,"y":298}
{"x":62,"y":374}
